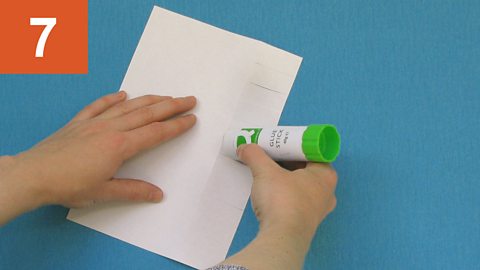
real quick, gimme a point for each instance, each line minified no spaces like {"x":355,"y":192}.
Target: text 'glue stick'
{"x":314,"y":143}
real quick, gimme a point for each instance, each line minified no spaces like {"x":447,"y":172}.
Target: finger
{"x":100,"y":105}
{"x":132,"y":105}
{"x":129,"y":190}
{"x":332,"y":204}
{"x":256,"y":159}
{"x":154,"y":113}
{"x":157,"y":132}
{"x":325,"y":172}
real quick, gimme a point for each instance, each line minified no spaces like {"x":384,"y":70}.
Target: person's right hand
{"x":295,"y":201}
{"x":289,"y":206}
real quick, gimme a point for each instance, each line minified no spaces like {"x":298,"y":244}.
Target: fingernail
{"x":191,"y":115}
{"x":155,"y":196}
{"x":122,"y":94}
{"x":240,"y":150}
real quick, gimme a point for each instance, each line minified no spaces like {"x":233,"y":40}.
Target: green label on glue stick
{"x":248,"y":136}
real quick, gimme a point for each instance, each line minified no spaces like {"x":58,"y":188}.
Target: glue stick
{"x":314,"y":143}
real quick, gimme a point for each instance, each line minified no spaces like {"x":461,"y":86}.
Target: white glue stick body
{"x":315,"y":143}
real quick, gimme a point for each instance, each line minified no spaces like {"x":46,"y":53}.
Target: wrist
{"x":277,"y":246}
{"x":20,"y":184}
{"x":291,"y":228}
{"x":295,"y":234}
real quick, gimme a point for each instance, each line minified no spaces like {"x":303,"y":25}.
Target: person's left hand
{"x":75,"y":166}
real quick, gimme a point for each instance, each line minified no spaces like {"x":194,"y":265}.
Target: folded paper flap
{"x":271,"y":79}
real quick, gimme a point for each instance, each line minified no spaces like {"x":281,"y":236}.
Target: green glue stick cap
{"x":321,"y":143}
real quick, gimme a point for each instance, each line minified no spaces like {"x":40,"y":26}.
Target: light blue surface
{"x":400,"y":79}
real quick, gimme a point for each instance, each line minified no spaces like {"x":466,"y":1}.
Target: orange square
{"x":65,"y":49}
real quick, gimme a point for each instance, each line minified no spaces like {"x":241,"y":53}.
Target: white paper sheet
{"x":238,"y":82}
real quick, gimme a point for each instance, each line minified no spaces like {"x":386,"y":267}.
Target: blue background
{"x":400,"y":79}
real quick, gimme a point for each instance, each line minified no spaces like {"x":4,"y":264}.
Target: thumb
{"x":254,"y":157}
{"x":130,"y":190}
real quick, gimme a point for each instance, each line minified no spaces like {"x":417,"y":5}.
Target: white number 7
{"x":49,"y":24}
